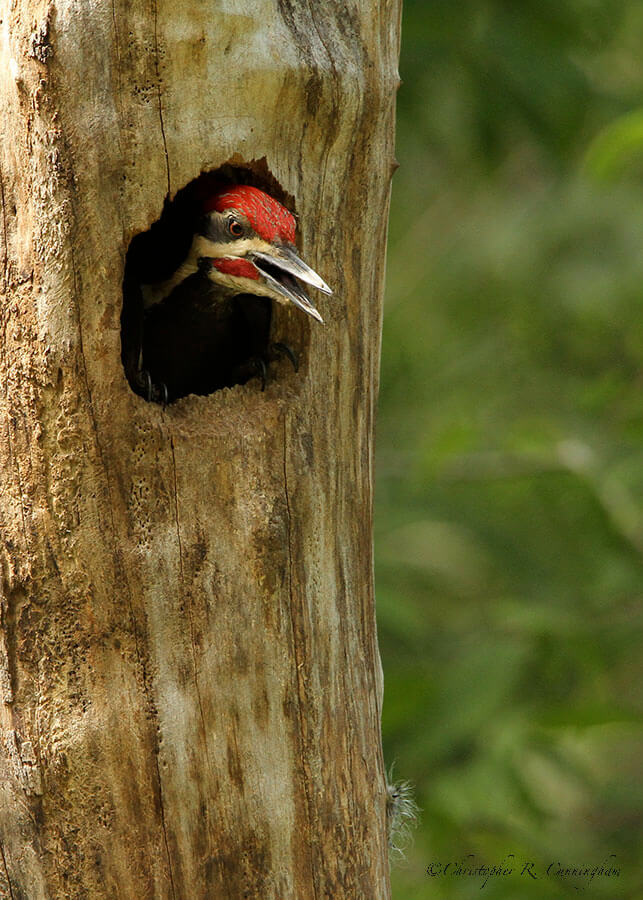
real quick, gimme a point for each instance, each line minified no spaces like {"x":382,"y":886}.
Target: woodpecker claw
{"x":260,"y":365}
{"x":153,"y":393}
{"x":280,"y":350}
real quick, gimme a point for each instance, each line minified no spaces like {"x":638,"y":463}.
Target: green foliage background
{"x":509,"y":515}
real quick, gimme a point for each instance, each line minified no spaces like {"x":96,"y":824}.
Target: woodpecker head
{"x":246,"y":245}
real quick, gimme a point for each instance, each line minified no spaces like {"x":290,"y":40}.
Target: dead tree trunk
{"x":189,"y":672}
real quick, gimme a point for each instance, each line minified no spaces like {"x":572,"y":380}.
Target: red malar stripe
{"x":241,"y":268}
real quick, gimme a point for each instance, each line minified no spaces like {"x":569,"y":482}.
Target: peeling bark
{"x":189,"y":676}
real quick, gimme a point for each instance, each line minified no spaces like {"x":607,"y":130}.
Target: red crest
{"x":270,"y":219}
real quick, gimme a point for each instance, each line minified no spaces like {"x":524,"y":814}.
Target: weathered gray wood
{"x":189,"y":672}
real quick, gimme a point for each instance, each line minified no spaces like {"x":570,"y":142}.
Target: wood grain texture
{"x":189,"y":673}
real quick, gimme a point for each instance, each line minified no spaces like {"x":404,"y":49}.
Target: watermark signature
{"x":576,"y":875}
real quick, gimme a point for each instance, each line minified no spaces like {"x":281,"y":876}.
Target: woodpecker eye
{"x":235,"y":228}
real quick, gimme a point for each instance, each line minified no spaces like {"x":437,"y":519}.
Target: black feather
{"x":200,"y":339}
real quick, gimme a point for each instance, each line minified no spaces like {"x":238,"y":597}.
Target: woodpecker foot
{"x":259,"y":365}
{"x":153,"y":393}
{"x":277,"y":350}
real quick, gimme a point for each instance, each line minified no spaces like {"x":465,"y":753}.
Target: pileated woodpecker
{"x":207,"y":326}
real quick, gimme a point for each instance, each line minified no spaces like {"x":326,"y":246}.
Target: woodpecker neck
{"x":156,"y":293}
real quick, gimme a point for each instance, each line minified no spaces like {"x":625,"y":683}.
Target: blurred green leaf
{"x":509,"y":510}
{"x":616,"y":147}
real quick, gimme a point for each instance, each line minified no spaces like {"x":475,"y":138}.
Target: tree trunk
{"x":188,"y":662}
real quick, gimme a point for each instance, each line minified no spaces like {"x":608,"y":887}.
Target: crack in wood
{"x":6,"y":872}
{"x":5,"y":233}
{"x":163,"y":826}
{"x":299,"y":664}
{"x":119,"y":87}
{"x":158,"y":91}
{"x":187,"y":597}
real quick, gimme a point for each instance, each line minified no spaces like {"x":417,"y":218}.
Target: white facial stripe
{"x":202,"y":246}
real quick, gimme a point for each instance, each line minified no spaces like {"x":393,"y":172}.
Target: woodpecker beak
{"x":283,"y":270}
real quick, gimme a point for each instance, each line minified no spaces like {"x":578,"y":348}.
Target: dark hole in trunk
{"x":196,"y":340}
